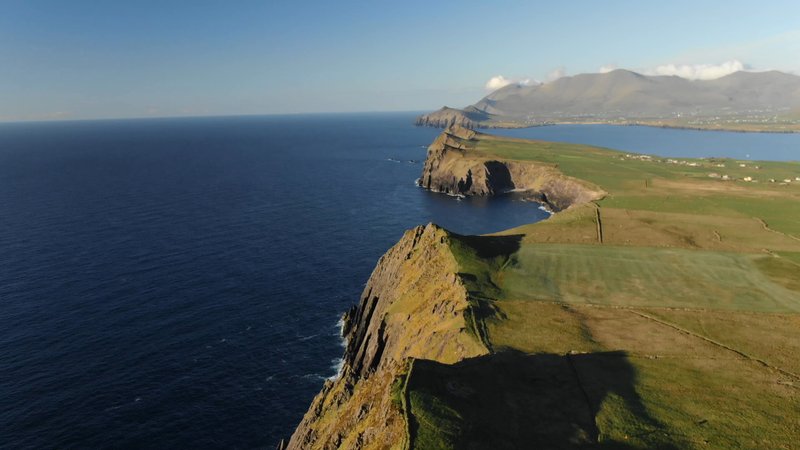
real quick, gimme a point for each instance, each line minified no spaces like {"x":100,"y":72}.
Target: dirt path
{"x":599,"y":223}
{"x":766,"y":227}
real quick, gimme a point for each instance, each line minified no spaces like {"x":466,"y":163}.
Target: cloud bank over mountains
{"x":688,"y":71}
{"x":699,"y":71}
{"x":499,"y":81}
{"x":608,"y":68}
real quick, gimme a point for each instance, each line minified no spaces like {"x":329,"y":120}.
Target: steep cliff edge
{"x":576,"y":332}
{"x":445,"y":117}
{"x":455,"y":166}
{"x":415,"y":305}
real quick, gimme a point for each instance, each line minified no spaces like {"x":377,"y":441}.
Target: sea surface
{"x":177,"y":283}
{"x":670,"y":142}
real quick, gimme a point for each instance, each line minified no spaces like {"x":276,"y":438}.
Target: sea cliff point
{"x":658,"y":307}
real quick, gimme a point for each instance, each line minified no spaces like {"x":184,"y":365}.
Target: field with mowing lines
{"x":626,"y":276}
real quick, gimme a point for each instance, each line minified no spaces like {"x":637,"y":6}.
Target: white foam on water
{"x":338,"y":366}
{"x":338,"y":363}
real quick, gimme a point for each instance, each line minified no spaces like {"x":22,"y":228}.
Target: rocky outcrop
{"x":447,"y":168}
{"x":445,"y":117}
{"x":414,"y":306}
{"x":454,"y":166}
{"x":546,"y":184}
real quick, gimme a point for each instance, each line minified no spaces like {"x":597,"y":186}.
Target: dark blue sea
{"x":177,"y":283}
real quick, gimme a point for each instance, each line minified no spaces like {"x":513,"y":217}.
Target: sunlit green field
{"x":620,"y":276}
{"x":673,"y":323}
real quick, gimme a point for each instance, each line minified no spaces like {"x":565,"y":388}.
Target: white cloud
{"x":608,"y":68}
{"x":500,"y":81}
{"x":698,"y":71}
{"x":771,"y":52}
{"x":497,"y":82}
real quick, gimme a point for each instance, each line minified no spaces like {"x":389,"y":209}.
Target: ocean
{"x":671,"y":142}
{"x":177,"y":283}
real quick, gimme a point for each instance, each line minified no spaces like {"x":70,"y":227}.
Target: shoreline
{"x":442,"y":306}
{"x":664,"y":126}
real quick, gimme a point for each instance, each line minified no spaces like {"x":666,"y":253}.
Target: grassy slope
{"x":681,"y":329}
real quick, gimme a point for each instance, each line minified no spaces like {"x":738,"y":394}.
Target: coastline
{"x":485,"y":126}
{"x":376,"y":402}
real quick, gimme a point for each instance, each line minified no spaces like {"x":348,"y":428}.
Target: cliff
{"x":577,"y":332}
{"x":445,"y":117}
{"x":415,"y":305}
{"x":456,"y":166}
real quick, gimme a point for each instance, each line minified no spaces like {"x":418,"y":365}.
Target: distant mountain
{"x":763,"y":100}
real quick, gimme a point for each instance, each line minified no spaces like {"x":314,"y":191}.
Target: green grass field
{"x":625,"y":276}
{"x":676,"y":188}
{"x":673,"y":324}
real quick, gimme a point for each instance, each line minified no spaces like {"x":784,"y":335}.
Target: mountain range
{"x":750,"y":101}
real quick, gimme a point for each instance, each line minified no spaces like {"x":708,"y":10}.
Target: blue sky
{"x":104,"y":59}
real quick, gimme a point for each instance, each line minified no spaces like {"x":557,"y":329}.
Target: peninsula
{"x":741,"y":101}
{"x":659,"y":307}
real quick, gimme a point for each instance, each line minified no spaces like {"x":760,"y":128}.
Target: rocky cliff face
{"x":454,"y":167}
{"x":446,"y":117}
{"x":414,"y":306}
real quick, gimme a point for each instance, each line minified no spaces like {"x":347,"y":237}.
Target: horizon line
{"x":207,"y":116}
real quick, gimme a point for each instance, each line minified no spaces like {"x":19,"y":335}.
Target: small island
{"x":658,"y":307}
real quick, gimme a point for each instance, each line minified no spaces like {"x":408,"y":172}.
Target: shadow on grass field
{"x":479,"y":259}
{"x":663,"y":316}
{"x":517,"y":400}
{"x":489,"y":247}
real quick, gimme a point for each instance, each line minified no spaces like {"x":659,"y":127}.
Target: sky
{"x":87,"y":59}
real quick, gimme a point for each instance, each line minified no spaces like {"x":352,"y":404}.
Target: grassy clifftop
{"x":664,"y":315}
{"x":658,"y":308}
{"x":414,"y":306}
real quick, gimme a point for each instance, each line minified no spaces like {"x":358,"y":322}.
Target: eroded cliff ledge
{"x":445,"y":117}
{"x":415,"y":305}
{"x":455,"y":165}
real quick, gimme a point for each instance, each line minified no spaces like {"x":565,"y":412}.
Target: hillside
{"x":658,"y":308}
{"x":747,"y":101}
